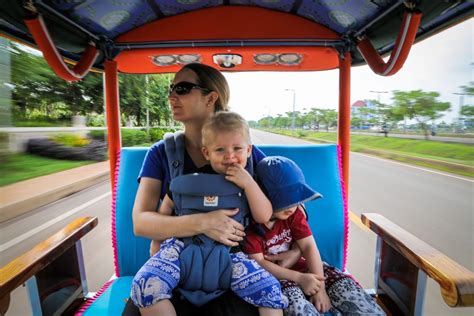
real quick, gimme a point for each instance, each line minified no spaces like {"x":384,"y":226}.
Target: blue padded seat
{"x":327,"y":216}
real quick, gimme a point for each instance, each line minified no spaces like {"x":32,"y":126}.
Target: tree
{"x":38,"y":90}
{"x":329,"y":118}
{"x":467,"y":110}
{"x":386,"y":116}
{"x":38,"y":93}
{"x":158,"y":99}
{"x":421,"y":106}
{"x":469,"y":90}
{"x":315,"y":117}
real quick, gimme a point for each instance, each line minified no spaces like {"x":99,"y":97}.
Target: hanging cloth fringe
{"x":405,"y":39}
{"x":42,"y":38}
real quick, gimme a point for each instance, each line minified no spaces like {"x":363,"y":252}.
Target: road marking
{"x":414,"y":167}
{"x":356,"y":220}
{"x":36,"y":230}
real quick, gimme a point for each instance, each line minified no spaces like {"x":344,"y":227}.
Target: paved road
{"x":20,"y":234}
{"x":437,"y":208}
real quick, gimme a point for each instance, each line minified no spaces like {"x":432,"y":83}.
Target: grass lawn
{"x":450,"y":152}
{"x":18,"y":167}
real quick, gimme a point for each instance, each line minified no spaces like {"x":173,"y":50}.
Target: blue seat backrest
{"x":327,"y":216}
{"x":131,"y":252}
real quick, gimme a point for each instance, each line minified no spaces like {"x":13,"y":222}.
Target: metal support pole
{"x":344,"y":119}
{"x":294,"y":107}
{"x":33,"y":295}
{"x":113,"y":115}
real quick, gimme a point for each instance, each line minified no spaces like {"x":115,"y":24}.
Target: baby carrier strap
{"x":201,"y":193}
{"x":205,"y":272}
{"x":174,"y":148}
{"x":205,"y":265}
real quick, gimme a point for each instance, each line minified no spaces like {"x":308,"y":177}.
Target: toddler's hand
{"x":321,"y":300}
{"x":310,"y":283}
{"x":239,"y":176}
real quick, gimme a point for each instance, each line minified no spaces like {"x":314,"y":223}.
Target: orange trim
{"x":42,"y":38}
{"x":314,"y":58}
{"x":225,"y":23}
{"x":344,"y":119}
{"x":405,"y":39}
{"x":113,"y":115}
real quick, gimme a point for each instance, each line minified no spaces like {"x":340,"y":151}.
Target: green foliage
{"x":421,"y":106}
{"x":469,"y":90}
{"x":95,"y":120}
{"x":39,"y":95}
{"x":97,"y":135}
{"x":156,"y":134}
{"x":3,"y":147}
{"x":135,"y":137}
{"x":301,"y":133}
{"x":329,"y":118}
{"x":139,"y":93}
{"x":20,"y":167}
{"x":132,"y":137}
{"x":38,"y":92}
{"x":453,"y":152}
{"x":44,"y":122}
{"x":70,"y":140}
{"x":467,"y":110}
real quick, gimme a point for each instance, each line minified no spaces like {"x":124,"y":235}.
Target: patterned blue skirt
{"x":160,"y":275}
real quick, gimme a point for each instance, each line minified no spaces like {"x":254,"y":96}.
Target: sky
{"x":441,"y":63}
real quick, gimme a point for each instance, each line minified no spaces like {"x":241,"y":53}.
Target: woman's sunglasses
{"x":184,"y":87}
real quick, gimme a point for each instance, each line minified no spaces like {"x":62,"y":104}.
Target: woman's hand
{"x":219,"y":226}
{"x":154,"y":247}
{"x":286,"y":259}
{"x":239,"y":176}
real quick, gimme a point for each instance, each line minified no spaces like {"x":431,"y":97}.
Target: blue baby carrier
{"x":205,"y":264}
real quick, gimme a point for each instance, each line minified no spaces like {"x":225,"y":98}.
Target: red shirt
{"x":280,"y":238}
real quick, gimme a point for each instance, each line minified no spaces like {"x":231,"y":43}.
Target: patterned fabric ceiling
{"x":105,"y":20}
{"x":114,"y":17}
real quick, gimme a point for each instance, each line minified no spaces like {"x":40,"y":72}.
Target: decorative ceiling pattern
{"x":114,"y":17}
{"x":75,"y":22}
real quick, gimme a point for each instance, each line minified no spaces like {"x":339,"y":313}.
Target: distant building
{"x":365,"y":117}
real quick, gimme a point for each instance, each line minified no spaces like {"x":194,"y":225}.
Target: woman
{"x":196,"y":93}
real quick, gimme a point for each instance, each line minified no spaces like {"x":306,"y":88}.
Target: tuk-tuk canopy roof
{"x":237,"y":35}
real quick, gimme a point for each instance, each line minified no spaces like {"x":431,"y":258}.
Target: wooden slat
{"x":17,"y":271}
{"x":456,"y":282}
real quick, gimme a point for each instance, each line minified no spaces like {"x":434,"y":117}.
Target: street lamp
{"x":378,"y":101}
{"x":293,"y":113}
{"x":378,"y":94}
{"x":461,"y":103}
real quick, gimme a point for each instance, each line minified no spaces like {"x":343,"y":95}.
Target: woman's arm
{"x":148,"y":223}
{"x":166,"y":207}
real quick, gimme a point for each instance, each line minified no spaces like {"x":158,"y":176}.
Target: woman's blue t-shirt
{"x":155,"y":164}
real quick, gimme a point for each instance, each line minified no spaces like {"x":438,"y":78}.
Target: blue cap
{"x":284,"y":183}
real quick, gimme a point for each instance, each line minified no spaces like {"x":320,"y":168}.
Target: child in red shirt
{"x":310,"y":286}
